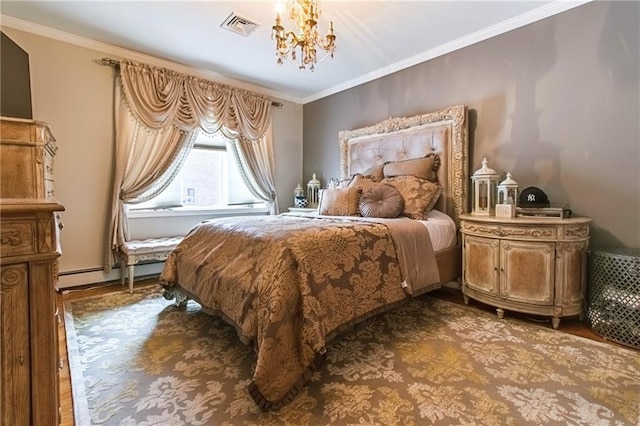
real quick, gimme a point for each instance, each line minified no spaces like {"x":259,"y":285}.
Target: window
{"x":209,"y":179}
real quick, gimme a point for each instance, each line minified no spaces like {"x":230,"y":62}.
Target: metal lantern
{"x":485,"y":182}
{"x":313,"y":190}
{"x":508,"y":191}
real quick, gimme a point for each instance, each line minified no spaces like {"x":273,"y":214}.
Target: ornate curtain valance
{"x":160,"y":97}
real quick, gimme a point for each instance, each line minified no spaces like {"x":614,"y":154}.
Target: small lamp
{"x":485,"y":181}
{"x":313,"y":190}
{"x":507,"y":197}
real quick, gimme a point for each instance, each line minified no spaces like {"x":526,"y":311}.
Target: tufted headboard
{"x":442,"y":132}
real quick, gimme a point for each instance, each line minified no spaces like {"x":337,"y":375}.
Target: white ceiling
{"x":374,"y":38}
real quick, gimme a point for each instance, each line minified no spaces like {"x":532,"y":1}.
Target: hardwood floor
{"x":66,"y":399}
{"x":567,"y":325}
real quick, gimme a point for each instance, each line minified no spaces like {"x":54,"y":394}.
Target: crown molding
{"x":104,"y":48}
{"x":487,"y":33}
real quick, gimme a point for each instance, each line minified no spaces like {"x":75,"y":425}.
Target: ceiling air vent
{"x":239,"y":25}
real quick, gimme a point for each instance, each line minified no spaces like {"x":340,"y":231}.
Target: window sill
{"x":186,"y":211}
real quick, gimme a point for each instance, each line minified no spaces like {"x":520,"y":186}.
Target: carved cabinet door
{"x":481,"y":264}
{"x":14,"y":341}
{"x":527,"y":271}
{"x":571,"y":273}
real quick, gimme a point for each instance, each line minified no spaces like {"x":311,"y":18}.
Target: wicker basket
{"x":614,"y":294}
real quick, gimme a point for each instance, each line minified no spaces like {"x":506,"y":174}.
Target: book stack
{"x":554,"y":210}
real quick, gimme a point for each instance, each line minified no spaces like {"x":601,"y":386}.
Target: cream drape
{"x":161,"y":97}
{"x":158,"y":115}
{"x":256,"y":160}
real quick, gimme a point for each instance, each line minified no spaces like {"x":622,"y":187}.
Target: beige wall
{"x":75,"y":96}
{"x":556,"y":103}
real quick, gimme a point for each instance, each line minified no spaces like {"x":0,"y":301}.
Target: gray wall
{"x":556,"y":103}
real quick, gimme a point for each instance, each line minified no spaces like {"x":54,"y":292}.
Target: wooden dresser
{"x":526,"y":264}
{"x":29,"y":251}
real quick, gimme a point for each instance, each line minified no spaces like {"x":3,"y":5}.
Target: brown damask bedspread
{"x":288,"y":284}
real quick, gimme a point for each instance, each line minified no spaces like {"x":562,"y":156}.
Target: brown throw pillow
{"x":381,"y":201}
{"x":340,"y":202}
{"x":363,"y":183}
{"x":375,"y":172}
{"x":425,"y":168}
{"x":419,"y":195}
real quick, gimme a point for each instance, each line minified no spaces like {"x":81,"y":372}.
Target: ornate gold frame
{"x":456,"y":184}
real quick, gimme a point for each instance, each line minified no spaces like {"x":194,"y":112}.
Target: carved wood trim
{"x":576,"y":231}
{"x":13,"y":275}
{"x":10,"y":238}
{"x":17,"y":238}
{"x":501,"y":231}
{"x":39,"y":157}
{"x":45,"y":234}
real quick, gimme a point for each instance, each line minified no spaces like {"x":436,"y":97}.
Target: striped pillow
{"x":425,"y":168}
{"x":340,"y":202}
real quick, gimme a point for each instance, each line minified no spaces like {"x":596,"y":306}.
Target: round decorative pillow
{"x":381,"y":201}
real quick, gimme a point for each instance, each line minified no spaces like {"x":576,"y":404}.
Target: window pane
{"x":203,"y":178}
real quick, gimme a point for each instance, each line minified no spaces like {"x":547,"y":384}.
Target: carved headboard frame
{"x":444,"y":132}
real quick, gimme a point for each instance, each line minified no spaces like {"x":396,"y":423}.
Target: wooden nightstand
{"x":526,"y":264}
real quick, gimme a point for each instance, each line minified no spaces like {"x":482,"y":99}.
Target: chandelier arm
{"x":328,"y":43}
{"x":304,"y":14}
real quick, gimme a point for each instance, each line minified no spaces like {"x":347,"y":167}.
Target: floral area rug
{"x":136,"y":359}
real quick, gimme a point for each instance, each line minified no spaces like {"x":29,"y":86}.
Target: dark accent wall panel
{"x":556,"y":103}
{"x":15,"y":83}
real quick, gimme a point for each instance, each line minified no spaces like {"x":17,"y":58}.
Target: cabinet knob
{"x":21,"y":360}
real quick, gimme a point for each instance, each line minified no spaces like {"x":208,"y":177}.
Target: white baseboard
{"x":75,"y":279}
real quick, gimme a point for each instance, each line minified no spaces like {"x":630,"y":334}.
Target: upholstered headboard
{"x":442,"y":132}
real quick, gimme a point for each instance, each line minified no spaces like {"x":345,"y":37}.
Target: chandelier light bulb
{"x":303,"y":42}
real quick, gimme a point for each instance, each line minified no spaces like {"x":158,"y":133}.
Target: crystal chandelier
{"x":301,"y":45}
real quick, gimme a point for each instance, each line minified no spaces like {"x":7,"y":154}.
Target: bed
{"x":290,"y":283}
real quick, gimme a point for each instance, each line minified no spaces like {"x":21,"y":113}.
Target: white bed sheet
{"x":442,"y":230}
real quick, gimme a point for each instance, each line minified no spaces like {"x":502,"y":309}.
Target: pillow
{"x":419,"y":195}
{"x":375,"y":172}
{"x":340,"y":202}
{"x":381,"y":201}
{"x":425,"y":167}
{"x":344,"y":183}
{"x":362,"y":182}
